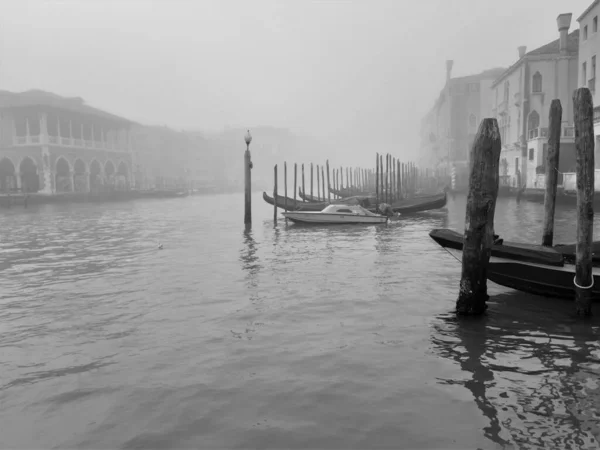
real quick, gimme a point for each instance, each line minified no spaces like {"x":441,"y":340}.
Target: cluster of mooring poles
{"x":481,"y":204}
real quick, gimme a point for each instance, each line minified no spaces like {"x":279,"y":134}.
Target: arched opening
{"x":533,"y":122}
{"x":79,"y":177}
{"x":63,"y":176}
{"x":123,"y":176}
{"x":536,"y":83}
{"x":109,"y":173}
{"x":95,"y":176}
{"x":8,"y":181}
{"x":30,"y":181}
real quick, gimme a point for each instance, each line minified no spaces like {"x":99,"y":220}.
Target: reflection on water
{"x":534,"y":378}
{"x":276,"y":336}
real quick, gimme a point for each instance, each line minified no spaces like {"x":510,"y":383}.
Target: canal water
{"x":280,"y":337}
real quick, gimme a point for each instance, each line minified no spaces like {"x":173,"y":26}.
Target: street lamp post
{"x":247,"y":181}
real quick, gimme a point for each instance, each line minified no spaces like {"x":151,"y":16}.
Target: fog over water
{"x":358,"y":75}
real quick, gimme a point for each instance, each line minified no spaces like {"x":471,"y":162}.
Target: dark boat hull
{"x":299,"y":205}
{"x":547,"y":271}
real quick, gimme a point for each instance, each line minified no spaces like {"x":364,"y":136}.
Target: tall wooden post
{"x":247,"y":181}
{"x":323,"y":181}
{"x":551,"y":163}
{"x":311,"y":181}
{"x":387,"y":179}
{"x":381,"y":193}
{"x":398,"y":179}
{"x":376,"y":179}
{"x":295,"y":186}
{"x":479,"y":229}
{"x":584,"y":147}
{"x":284,"y":187}
{"x":318,"y":184}
{"x":275,"y":194}
{"x":303,"y":190}
{"x":394,"y":187}
{"x":328,"y":184}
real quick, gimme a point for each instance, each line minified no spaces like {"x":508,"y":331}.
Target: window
{"x":593,"y":67}
{"x":506,"y":91}
{"x":517,"y":165}
{"x":536,"y":85}
{"x":585,"y":33}
{"x":583,"y":74}
{"x":344,"y":211}
{"x":531,"y":154}
{"x":595,"y":24}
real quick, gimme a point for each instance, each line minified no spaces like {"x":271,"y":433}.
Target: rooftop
{"x":36,"y":97}
{"x":587,"y":10}
{"x":551,"y":49}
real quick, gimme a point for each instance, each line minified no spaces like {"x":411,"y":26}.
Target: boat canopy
{"x":347,"y":209}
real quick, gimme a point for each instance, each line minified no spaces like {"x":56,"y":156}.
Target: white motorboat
{"x":336,"y":214}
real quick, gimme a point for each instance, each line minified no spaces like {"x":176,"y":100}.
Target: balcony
{"x":22,"y":141}
{"x":537,"y":133}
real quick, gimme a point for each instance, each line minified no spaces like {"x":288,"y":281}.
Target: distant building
{"x":449,"y":128}
{"x":589,"y":47}
{"x":521,"y":99}
{"x":52,"y":144}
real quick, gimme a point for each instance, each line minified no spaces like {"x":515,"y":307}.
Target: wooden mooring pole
{"x":247,"y":181}
{"x":303,"y":190}
{"x":552,"y":171}
{"x":323,"y":181}
{"x":275,"y":195}
{"x":584,"y":148}
{"x":284,"y":187}
{"x":376,"y":179}
{"x":328,"y":184}
{"x":311,"y":181}
{"x":295,"y":186}
{"x":479,"y":229}
{"x":318,"y":184}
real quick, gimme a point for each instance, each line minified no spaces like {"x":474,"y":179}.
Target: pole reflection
{"x":532,"y":374}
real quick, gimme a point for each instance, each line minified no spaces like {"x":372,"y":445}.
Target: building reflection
{"x":530,"y":371}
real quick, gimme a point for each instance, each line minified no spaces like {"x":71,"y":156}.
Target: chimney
{"x":449,"y":64}
{"x":522,"y":49}
{"x":564,"y":22}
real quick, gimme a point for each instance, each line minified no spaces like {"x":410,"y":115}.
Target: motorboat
{"x":336,"y":214}
{"x":547,"y":271}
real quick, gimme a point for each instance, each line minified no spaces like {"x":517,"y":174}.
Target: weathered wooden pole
{"x":303,"y":191}
{"x":551,"y":163}
{"x":347,"y":183}
{"x":247,"y":181}
{"x":376,"y":179}
{"x":584,"y":148}
{"x":381,"y":193}
{"x":284,"y":186}
{"x":275,"y":194}
{"x":318,"y":184}
{"x":311,"y":181}
{"x":295,"y":186}
{"x":328,"y":184}
{"x":351,"y":183}
{"x":323,"y":181}
{"x":398,"y":179}
{"x":388,"y":197}
{"x":394,"y":187}
{"x":479,"y":228}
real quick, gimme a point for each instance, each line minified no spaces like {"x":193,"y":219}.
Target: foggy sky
{"x":358,"y":73}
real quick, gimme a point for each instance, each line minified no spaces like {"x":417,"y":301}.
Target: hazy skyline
{"x":356,"y":73}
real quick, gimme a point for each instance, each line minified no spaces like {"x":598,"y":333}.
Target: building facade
{"x":448,"y":129}
{"x":52,"y":144}
{"x":589,"y":48}
{"x":521,"y":99}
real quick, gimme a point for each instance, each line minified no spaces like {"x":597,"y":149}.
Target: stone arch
{"x":79,"y":176}
{"x":28,"y":171}
{"x":109,"y":173}
{"x":8,"y":179}
{"x":62,"y":168}
{"x":533,"y":120}
{"x":123,"y":175}
{"x":95,"y":176}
